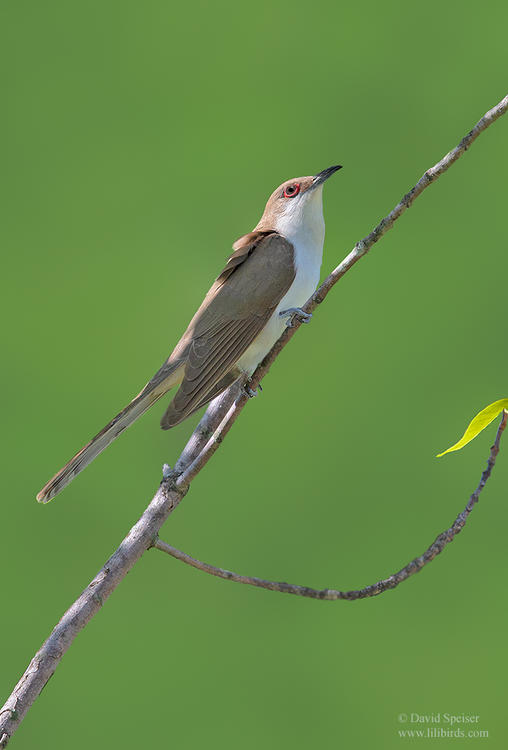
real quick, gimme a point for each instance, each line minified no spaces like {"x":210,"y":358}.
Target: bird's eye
{"x":291,"y":190}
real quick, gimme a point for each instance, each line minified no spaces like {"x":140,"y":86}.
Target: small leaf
{"x":478,"y":423}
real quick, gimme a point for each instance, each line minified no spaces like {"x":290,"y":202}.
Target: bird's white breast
{"x":306,"y":232}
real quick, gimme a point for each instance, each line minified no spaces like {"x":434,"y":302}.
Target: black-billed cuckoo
{"x":272,"y":272}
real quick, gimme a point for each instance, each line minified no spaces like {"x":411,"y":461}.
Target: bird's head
{"x":296,"y":206}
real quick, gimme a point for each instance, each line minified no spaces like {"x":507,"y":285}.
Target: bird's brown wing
{"x":234,"y":312}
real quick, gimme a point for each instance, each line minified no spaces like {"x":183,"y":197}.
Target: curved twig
{"x":374,"y":589}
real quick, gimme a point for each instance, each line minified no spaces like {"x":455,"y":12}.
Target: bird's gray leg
{"x":251,"y":392}
{"x":297,"y":313}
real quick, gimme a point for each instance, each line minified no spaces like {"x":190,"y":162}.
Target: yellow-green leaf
{"x":479,"y":423}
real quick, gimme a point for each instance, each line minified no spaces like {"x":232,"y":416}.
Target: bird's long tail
{"x":148,"y":396}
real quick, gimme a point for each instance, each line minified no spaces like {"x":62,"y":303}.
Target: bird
{"x":272,"y":272}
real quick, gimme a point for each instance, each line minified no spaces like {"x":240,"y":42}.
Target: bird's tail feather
{"x":173,"y":416}
{"x":148,"y":396}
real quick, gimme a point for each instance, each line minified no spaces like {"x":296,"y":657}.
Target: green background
{"x":138,"y":141}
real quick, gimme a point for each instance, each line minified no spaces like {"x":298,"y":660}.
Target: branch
{"x":217,"y":421}
{"x":374,"y":589}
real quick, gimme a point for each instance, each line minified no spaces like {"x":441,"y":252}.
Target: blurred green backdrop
{"x":138,"y":141}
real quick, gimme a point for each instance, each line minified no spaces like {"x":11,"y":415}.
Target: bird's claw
{"x":166,"y":471}
{"x":295,"y":313}
{"x":251,"y":392}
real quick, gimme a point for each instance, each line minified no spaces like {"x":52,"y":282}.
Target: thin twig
{"x":373,"y":589}
{"x":362,"y":248}
{"x":196,"y":454}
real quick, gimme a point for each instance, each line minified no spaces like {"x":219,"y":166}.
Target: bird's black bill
{"x":325,"y":174}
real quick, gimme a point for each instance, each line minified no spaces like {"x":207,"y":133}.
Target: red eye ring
{"x":291,"y":190}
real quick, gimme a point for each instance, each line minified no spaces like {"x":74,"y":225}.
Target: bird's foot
{"x":295,"y":313}
{"x":251,"y":392}
{"x":166,"y":471}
